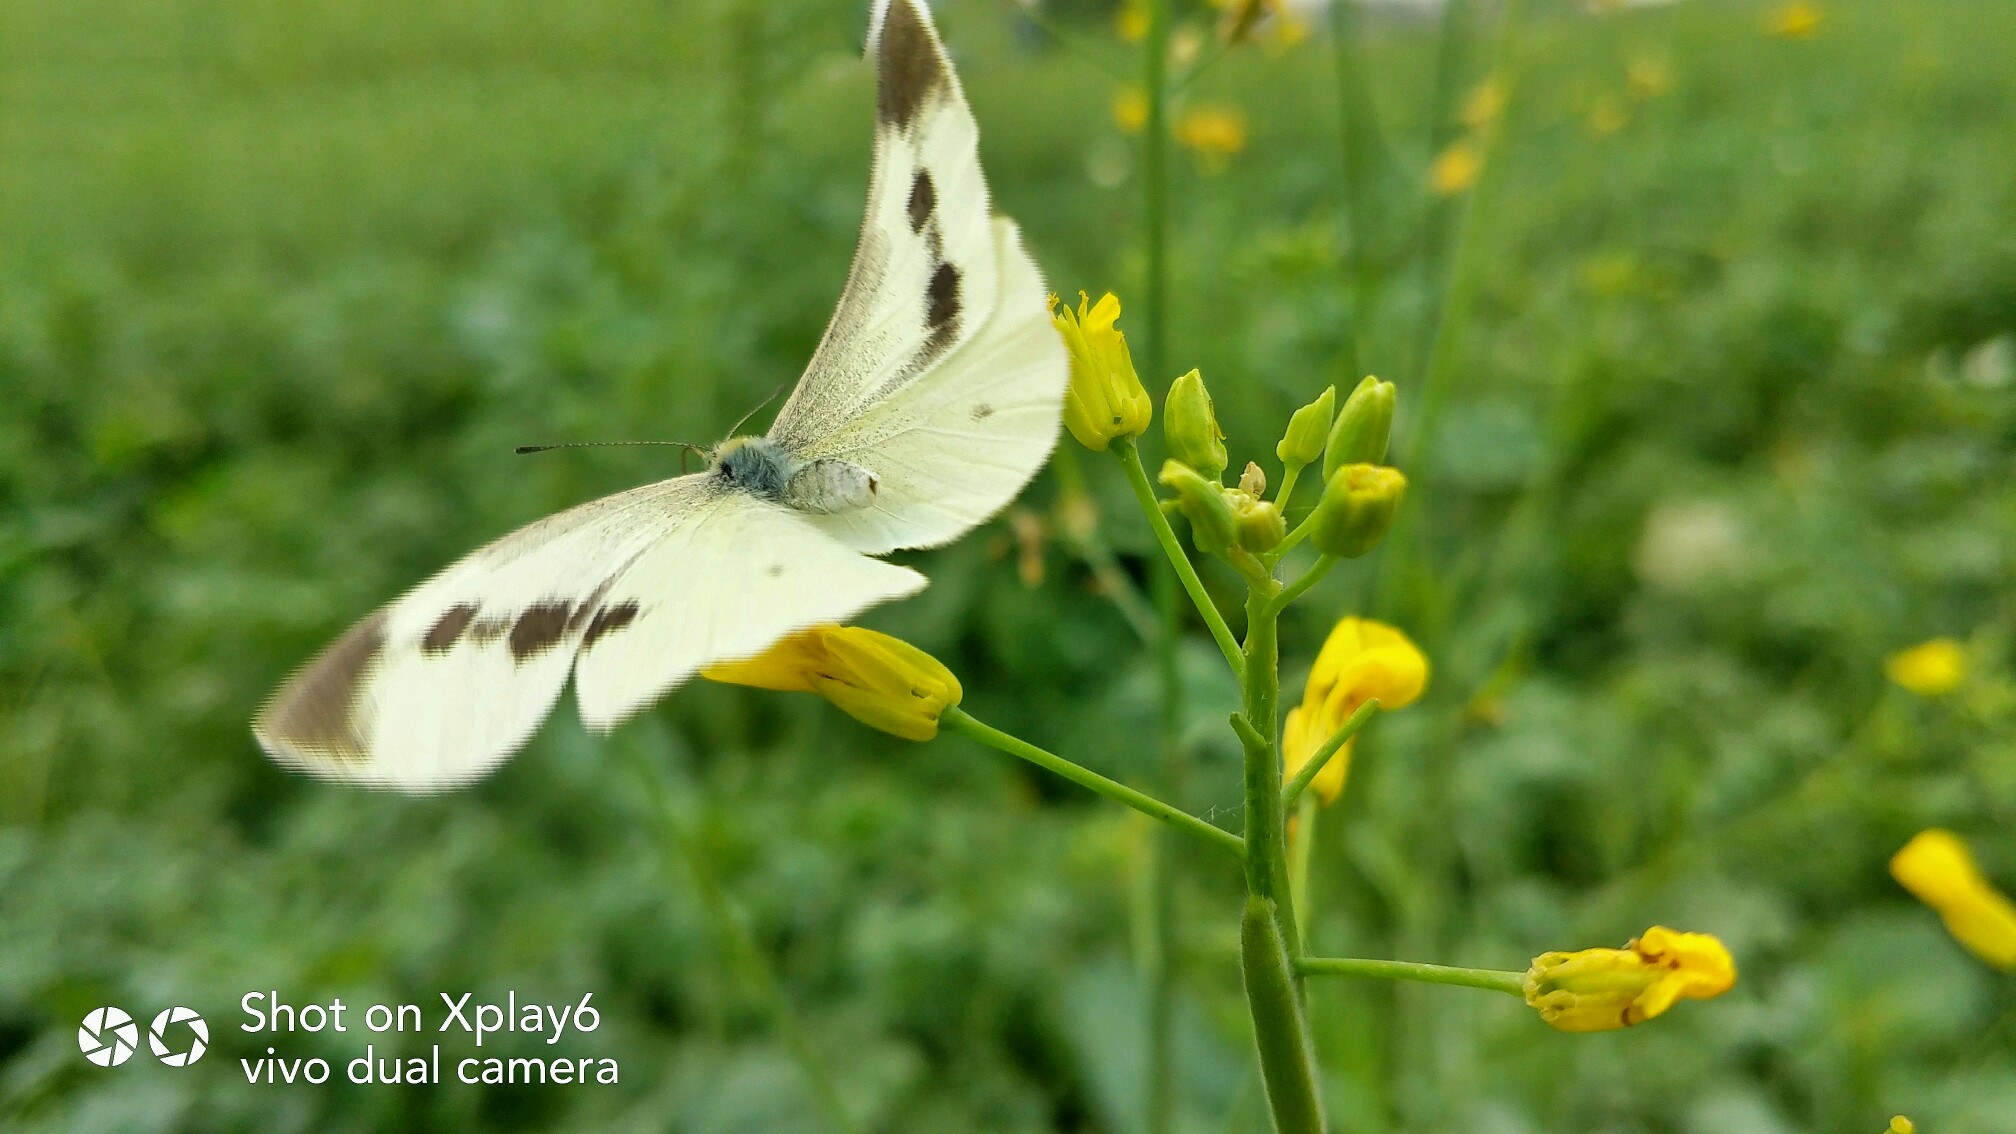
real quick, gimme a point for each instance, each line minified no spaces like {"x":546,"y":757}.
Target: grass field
{"x":1722,"y":414}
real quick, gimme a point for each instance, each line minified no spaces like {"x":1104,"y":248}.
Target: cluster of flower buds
{"x":1360,"y":495}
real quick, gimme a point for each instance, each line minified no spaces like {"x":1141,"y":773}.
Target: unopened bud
{"x":1105,"y":399}
{"x":1260,"y":525}
{"x":1357,"y":507}
{"x":1308,"y":430}
{"x":1363,"y":426}
{"x":1213,"y":526}
{"x":1253,"y":480}
{"x":1190,"y":426}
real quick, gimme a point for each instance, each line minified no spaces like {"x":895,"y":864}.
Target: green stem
{"x":1186,"y":572}
{"x":740,"y":946}
{"x":1497,"y":980}
{"x":1288,"y":478}
{"x":1161,"y":1085}
{"x":1330,"y":748}
{"x":1309,"y":578}
{"x":959,"y":720}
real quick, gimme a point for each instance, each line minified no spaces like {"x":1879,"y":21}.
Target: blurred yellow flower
{"x":1213,"y":133}
{"x":1362,"y":660}
{"x":1608,"y":116}
{"x":1105,"y":399}
{"x":1929,"y":669}
{"x":1599,"y":990}
{"x":1484,"y":104}
{"x":1901,"y":1125}
{"x":1797,"y":20}
{"x":1131,"y":22}
{"x":1455,"y":168}
{"x":1130,"y":110}
{"x":1939,"y":870}
{"x":883,"y":682}
{"x":1648,"y":76}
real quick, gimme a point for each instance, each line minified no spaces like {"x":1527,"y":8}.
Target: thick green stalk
{"x":1186,"y":572}
{"x":959,"y":720}
{"x":1274,"y":1001}
{"x":1497,"y":980}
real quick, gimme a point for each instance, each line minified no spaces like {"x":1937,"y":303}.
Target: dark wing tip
{"x":313,"y":718}
{"x":910,"y":66}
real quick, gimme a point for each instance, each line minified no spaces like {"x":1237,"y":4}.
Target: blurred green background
{"x":1725,"y":414}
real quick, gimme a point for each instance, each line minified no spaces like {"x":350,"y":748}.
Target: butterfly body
{"x":935,"y":394}
{"x":764,"y":468}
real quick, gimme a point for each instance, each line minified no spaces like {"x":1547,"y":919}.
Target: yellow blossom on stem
{"x":1213,"y":133}
{"x":1939,"y":870}
{"x":1797,"y":20}
{"x":883,"y":682}
{"x":1929,"y":669}
{"x":1599,"y":990}
{"x":1130,"y":110}
{"x":1105,"y":399}
{"x":1901,"y":1125}
{"x":1361,"y":661}
{"x":1456,"y":168}
{"x":1484,"y":104}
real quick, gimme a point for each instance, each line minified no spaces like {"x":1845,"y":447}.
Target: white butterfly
{"x":933,"y":397}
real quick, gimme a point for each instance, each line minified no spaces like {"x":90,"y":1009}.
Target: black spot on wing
{"x":923,"y":198}
{"x":488,"y":630}
{"x":540,"y":627}
{"x":316,"y":712}
{"x":448,"y":628}
{"x":982,"y":412}
{"x":908,"y":66}
{"x":942,"y":298}
{"x":608,"y":620}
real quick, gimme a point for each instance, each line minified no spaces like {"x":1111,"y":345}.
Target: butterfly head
{"x":756,"y":465}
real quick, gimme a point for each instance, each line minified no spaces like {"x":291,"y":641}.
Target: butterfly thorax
{"x":762,"y":467}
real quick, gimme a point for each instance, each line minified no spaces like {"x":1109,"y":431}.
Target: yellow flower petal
{"x":883,"y":682}
{"x":1455,"y":169}
{"x":1360,"y":661}
{"x":1799,"y":20}
{"x":1105,"y":399}
{"x":1595,"y":990}
{"x":1929,"y":669}
{"x":1939,"y":870}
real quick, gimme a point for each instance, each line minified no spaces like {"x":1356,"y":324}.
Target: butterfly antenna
{"x":689,"y":446}
{"x":753,"y":410}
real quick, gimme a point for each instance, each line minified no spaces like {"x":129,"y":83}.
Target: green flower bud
{"x":1307,"y":432}
{"x":1357,"y":507}
{"x":1363,"y":425}
{"x":1213,"y":526}
{"x":1190,"y":426}
{"x":1260,"y":525}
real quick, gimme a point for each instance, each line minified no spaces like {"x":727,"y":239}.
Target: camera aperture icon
{"x":108,"y":1036}
{"x":179,"y":1036}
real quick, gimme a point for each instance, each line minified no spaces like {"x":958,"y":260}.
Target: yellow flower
{"x":1797,"y":20}
{"x":1456,"y":168}
{"x":1901,"y":1125}
{"x":1929,"y":669}
{"x":1362,"y":660}
{"x":1105,"y":399}
{"x":1599,"y":990}
{"x":1131,"y":22}
{"x":1130,"y":110}
{"x":1485,"y":103}
{"x":1938,"y":869}
{"x":883,"y":682}
{"x":1648,"y":76}
{"x":1213,"y":133}
{"x":1608,"y":116}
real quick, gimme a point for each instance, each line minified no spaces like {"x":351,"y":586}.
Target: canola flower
{"x":1456,"y":168}
{"x":1362,"y":660}
{"x":1484,"y":104}
{"x":1213,"y":133}
{"x":883,"y":682}
{"x":1938,"y":869}
{"x":1600,"y":990}
{"x":1105,"y":400}
{"x":1130,"y":110}
{"x":1797,"y":20}
{"x":1901,"y":1125}
{"x":1929,"y":669}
